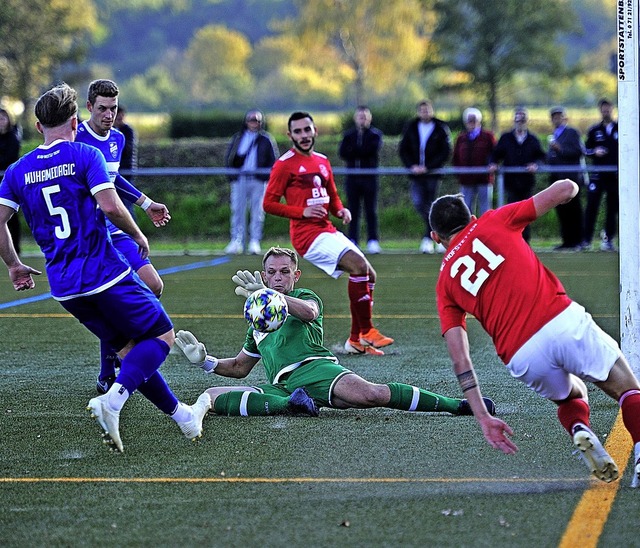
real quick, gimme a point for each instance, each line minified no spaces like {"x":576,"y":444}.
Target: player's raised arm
{"x":558,"y":193}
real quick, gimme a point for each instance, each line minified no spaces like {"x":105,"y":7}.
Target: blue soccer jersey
{"x":54,"y":185}
{"x":111,"y":146}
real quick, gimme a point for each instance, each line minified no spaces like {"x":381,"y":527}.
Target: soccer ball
{"x":266,"y":310}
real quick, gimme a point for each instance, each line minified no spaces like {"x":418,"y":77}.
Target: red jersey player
{"x":305,"y":179}
{"x":546,"y":340}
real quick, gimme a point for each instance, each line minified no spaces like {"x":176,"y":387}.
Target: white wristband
{"x":147,"y":202}
{"x":209,"y":364}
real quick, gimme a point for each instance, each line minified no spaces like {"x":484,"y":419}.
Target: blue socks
{"x":139,"y":371}
{"x":109,"y":360}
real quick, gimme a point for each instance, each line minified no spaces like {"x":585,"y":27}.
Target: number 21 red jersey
{"x":491,"y":272}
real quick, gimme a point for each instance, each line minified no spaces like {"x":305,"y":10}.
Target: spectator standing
{"x":360,"y":148}
{"x":473,"y":148}
{"x":565,"y":148}
{"x":425,"y":145}
{"x":9,"y":153}
{"x":602,"y":148}
{"x":249,"y":149}
{"x":519,"y":148}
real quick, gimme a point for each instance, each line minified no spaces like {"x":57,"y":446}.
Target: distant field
{"x":348,"y":478}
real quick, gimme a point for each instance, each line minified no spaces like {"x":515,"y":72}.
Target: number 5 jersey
{"x":54,"y":185}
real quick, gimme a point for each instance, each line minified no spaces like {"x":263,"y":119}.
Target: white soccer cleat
{"x":109,"y":421}
{"x":595,"y":455}
{"x":192,"y":428}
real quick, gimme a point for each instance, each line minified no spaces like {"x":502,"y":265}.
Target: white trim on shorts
{"x":327,"y":249}
{"x":571,"y":344}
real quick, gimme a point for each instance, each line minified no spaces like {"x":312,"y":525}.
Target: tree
{"x":299,"y":71}
{"x":492,"y":41}
{"x":381,"y":42}
{"x":37,"y":37}
{"x":217,"y":65}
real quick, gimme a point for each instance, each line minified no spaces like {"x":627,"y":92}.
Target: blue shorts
{"x":124,"y":312}
{"x":129,"y":249}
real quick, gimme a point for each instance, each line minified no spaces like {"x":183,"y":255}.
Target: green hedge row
{"x":204,"y":124}
{"x":390,"y":119}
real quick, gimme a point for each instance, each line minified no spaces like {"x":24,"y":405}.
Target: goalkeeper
{"x":303,"y":375}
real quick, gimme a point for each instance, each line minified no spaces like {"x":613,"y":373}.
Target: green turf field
{"x":348,"y":478}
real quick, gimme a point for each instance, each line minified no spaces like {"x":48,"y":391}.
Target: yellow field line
{"x":223,"y":479}
{"x":586,"y":524}
{"x":236,"y":316}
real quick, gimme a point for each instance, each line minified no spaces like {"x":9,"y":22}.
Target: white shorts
{"x":327,"y":249}
{"x":570,"y":344}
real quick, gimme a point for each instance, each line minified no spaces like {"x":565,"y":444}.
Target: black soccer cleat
{"x":465,"y":409}
{"x":300,"y":403}
{"x":103,"y":385}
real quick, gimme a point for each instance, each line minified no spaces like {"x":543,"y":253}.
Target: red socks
{"x":572,"y":412}
{"x":360,"y":305}
{"x":630,"y":406}
{"x":577,"y":410}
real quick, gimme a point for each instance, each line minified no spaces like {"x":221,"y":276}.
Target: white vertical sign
{"x":629,"y":221}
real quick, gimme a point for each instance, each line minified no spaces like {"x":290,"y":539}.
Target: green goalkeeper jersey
{"x":291,"y":346}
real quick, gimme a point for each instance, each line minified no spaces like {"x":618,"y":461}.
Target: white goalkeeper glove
{"x":247,"y":283}
{"x":195,"y":351}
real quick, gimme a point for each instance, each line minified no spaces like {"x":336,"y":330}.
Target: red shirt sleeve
{"x":335,"y":203}
{"x":276,"y":187}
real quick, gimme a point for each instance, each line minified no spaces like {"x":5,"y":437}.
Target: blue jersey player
{"x":59,"y":186}
{"x":98,"y":131}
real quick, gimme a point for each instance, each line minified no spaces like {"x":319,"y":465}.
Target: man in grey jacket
{"x":250,"y":149}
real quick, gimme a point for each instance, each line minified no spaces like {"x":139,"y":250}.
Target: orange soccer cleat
{"x":374,"y":338}
{"x":355,"y":347}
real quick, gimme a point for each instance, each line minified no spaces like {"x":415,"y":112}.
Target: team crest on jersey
{"x":113,"y":148}
{"x":324,"y":171}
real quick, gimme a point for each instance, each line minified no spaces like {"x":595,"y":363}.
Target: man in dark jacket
{"x":565,"y":148}
{"x":519,"y":148}
{"x":360,"y":148}
{"x":602,"y":148}
{"x":425,"y":146}
{"x":249,"y":149}
{"x":9,"y":153}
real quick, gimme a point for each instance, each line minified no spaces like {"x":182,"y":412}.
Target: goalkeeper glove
{"x":195,"y":351}
{"x":247,"y":283}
